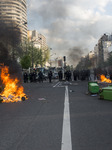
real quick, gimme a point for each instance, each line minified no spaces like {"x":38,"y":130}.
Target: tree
{"x":26,"y":62}
{"x":37,"y":56}
{"x":43,"y":56}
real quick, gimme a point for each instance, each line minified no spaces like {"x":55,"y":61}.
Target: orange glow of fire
{"x":12,"y":92}
{"x":104,"y":79}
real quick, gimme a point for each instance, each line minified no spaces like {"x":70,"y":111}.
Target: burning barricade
{"x":106,"y":91}
{"x":102,"y":87}
{"x":104,"y":81}
{"x":11,"y":91}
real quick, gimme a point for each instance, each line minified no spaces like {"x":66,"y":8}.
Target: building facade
{"x":38,"y":40}
{"x":14,"y":14}
{"x":101,"y":49}
{"x":106,"y":48}
{"x":96,"y":52}
{"x":34,"y":38}
{"x":42,"y":40}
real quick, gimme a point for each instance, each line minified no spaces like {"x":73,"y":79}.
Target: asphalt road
{"x":36,"y":124}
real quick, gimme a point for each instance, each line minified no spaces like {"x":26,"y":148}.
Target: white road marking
{"x":59,"y":84}
{"x":56,"y":84}
{"x":66,"y":131}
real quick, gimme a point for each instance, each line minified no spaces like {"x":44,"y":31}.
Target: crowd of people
{"x":29,"y":77}
{"x":67,"y":75}
{"x":34,"y":77}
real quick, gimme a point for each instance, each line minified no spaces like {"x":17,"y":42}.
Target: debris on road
{"x":41,"y":99}
{"x":71,"y":91}
{"x":94,"y":94}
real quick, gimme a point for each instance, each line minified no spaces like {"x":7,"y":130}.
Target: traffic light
{"x":64,"y":58}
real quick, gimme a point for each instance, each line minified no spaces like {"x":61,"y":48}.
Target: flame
{"x":12,"y":92}
{"x":104,"y":79}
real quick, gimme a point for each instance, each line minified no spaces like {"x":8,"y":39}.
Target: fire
{"x":104,"y":79}
{"x":12,"y":92}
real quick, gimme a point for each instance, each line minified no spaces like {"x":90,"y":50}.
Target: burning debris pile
{"x":95,"y":87}
{"x":10,"y":70}
{"x":12,"y":91}
{"x":104,"y":79}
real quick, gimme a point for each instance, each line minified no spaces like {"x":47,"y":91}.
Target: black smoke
{"x":10,"y":49}
{"x":75,"y":55}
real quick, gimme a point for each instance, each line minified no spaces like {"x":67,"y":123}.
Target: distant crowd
{"x":67,"y":75}
{"x":34,"y":76}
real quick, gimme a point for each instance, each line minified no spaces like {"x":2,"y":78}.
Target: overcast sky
{"x":70,"y":25}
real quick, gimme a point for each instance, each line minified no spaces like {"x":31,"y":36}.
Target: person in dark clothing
{"x":50,"y":76}
{"x":34,"y":76}
{"x":68,"y":75}
{"x":40,"y":76}
{"x":31,"y":77}
{"x":83,"y":75}
{"x":25,"y":77}
{"x":60,"y":75}
{"x":65,"y":75}
{"x":75,"y":75}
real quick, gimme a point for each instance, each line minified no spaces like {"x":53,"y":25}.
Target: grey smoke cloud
{"x":68,"y":23}
{"x":55,"y":9}
{"x":75,"y":54}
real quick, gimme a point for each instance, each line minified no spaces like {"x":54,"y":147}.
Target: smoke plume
{"x":69,"y":23}
{"x":75,"y":55}
{"x":9,"y":49}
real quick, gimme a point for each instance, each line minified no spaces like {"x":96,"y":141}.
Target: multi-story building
{"x":96,"y":52}
{"x":14,"y":14}
{"x":101,"y":49}
{"x":34,"y":38}
{"x":37,"y":39}
{"x":106,"y":48}
{"x":57,"y":62}
{"x":43,"y":43}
